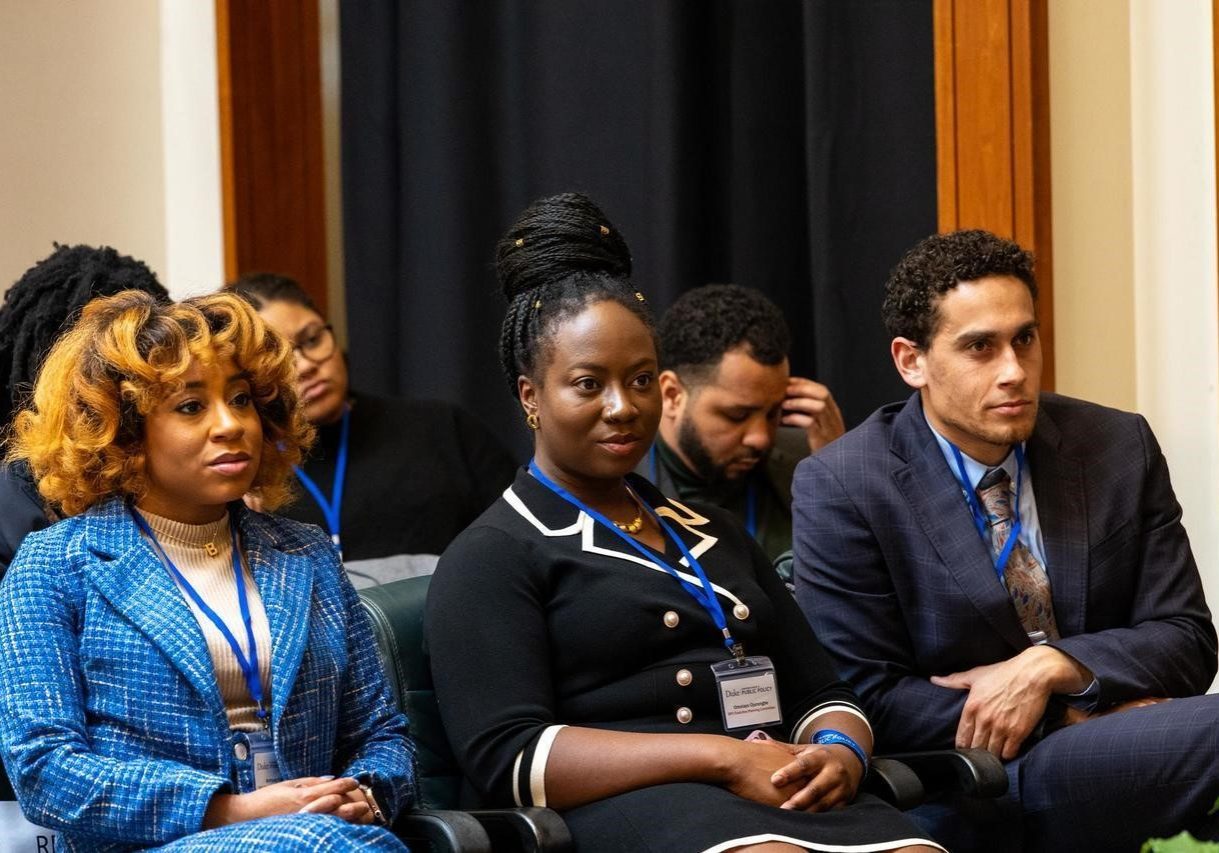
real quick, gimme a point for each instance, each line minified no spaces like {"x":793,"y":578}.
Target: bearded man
{"x":735,"y":420}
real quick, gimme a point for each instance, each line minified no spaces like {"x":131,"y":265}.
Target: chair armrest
{"x":443,"y":830}
{"x":895,"y":783}
{"x":974,"y":772}
{"x":529,"y":829}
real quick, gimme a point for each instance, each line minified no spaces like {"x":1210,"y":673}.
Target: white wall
{"x":81,"y":153}
{"x":190,"y":121}
{"x":1135,"y":283}
{"x":1176,"y":341}
{"x":1092,"y":200}
{"x":111,"y":134}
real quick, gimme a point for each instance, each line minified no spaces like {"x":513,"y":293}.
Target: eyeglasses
{"x":316,"y":343}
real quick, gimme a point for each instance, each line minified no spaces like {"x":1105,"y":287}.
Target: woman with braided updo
{"x":600,"y":649}
{"x":175,"y":668}
{"x":36,"y":311}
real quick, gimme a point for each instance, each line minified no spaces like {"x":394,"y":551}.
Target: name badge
{"x":749,"y":696}
{"x":262,"y":753}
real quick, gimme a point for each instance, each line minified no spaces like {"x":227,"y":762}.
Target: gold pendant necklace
{"x":636,"y":524}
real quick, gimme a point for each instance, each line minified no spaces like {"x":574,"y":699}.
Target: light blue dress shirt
{"x":1030,"y":526}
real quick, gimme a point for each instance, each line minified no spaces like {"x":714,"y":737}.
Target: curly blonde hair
{"x":83,"y":435}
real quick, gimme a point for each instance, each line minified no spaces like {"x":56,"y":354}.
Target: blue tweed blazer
{"x":112,"y":725}
{"x":899,"y":586}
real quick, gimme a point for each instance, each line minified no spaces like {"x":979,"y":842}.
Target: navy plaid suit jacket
{"x":898,"y":585}
{"x":111,"y":722}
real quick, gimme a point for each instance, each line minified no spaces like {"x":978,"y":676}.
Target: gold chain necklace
{"x":636,"y":524}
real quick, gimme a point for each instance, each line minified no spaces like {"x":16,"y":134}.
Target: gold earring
{"x":531,"y":420}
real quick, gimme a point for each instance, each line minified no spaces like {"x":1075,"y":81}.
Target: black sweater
{"x":22,"y":510}
{"x":417,"y":474}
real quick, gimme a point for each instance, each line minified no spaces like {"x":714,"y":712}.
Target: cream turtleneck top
{"x":212,"y":577}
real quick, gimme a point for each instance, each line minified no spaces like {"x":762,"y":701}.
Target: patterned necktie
{"x":1025,"y":578}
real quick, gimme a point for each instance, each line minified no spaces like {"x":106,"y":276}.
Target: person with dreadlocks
{"x":36,"y":311}
{"x":626,"y":659}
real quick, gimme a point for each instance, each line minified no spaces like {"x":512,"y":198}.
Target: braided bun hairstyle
{"x":561,"y":255}
{"x":47,"y":299}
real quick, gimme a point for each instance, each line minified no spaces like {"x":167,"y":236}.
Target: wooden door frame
{"x":992,"y":101}
{"x":271,"y":155}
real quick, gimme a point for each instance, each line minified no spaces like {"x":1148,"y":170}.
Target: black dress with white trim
{"x":540,"y":618}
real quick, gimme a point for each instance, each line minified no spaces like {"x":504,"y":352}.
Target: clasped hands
{"x":340,"y":797}
{"x":804,"y":777}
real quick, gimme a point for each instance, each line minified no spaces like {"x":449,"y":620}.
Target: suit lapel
{"x":130,"y":576}
{"x":285,"y":583}
{"x":1058,"y":486}
{"x":935,"y":499}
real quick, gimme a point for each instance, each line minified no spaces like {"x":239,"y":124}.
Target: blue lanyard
{"x":980,"y":519}
{"x":249,"y":665}
{"x":705,"y":595}
{"x":751,"y":494}
{"x":332,"y":509}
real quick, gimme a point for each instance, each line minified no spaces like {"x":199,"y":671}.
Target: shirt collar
{"x":974,"y":469}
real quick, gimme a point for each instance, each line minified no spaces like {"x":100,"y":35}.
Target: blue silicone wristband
{"x":825,"y":737}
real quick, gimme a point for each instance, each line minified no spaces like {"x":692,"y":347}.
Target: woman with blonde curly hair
{"x":176,"y":669}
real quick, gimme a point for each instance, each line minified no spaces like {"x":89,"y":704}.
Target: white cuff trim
{"x":516,"y":779}
{"x":800,"y":732}
{"x":537,"y":767}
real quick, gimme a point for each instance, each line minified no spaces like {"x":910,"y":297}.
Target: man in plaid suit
{"x":999,"y":568}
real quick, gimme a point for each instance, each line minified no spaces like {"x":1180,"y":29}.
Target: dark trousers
{"x":1107,"y":784}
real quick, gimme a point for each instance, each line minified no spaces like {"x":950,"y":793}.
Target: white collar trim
{"x":586,"y":526}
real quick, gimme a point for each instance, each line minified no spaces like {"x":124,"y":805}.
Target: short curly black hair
{"x":706,"y":322}
{"x":937,"y":265}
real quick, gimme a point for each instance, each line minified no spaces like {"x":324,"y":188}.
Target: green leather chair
{"x":396,"y":611}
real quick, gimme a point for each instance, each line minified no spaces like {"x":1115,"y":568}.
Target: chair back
{"x":396,"y":611}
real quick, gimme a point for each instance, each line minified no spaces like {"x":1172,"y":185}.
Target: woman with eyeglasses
{"x":387,"y":476}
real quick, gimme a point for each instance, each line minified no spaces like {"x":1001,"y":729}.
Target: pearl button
{"x":741,"y":612}
{"x":684,"y":677}
{"x":241,"y":751}
{"x":671,"y":618}
{"x":684,"y":715}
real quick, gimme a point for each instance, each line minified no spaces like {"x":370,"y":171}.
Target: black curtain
{"x":788,"y":145}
